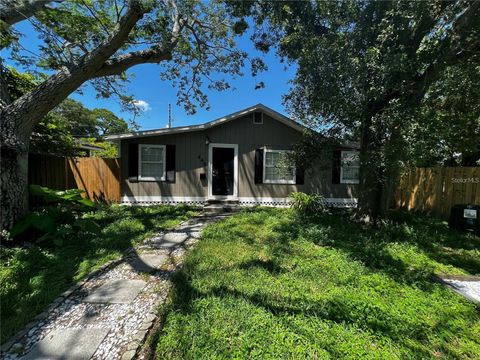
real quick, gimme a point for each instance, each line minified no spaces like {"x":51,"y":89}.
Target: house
{"x":236,"y":157}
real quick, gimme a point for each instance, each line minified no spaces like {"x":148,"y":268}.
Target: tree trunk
{"x":371,"y":175}
{"x":13,"y":182}
{"x":18,"y":119}
{"x":13,"y":174}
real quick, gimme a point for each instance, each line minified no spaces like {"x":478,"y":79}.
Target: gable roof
{"x":181,"y":129}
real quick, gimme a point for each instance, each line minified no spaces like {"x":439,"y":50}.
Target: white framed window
{"x":151,"y":162}
{"x":350,"y":169}
{"x":277,"y":168}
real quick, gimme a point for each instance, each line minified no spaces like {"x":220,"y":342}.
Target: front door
{"x":223,"y":171}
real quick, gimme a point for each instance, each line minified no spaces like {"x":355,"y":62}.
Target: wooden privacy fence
{"x":100,"y":178}
{"x":436,"y":190}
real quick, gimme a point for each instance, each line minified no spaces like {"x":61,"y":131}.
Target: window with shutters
{"x":277,"y":167}
{"x":151,"y":162}
{"x":350,"y":169}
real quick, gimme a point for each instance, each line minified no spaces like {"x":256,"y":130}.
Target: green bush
{"x":60,"y":219}
{"x":73,"y":196}
{"x":308,"y":204}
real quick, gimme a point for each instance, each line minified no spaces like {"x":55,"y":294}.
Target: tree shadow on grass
{"x":359,"y":244}
{"x":337,"y":310}
{"x":370,"y":245}
{"x":33,"y":277}
{"x":367,"y":245}
{"x":438,"y":241}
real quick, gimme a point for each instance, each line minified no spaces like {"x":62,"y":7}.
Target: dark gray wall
{"x":192,"y":160}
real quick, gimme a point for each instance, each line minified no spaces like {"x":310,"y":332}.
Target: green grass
{"x":266,"y":284}
{"x":30,"y":278}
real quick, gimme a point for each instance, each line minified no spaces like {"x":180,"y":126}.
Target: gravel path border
{"x":127,"y":323}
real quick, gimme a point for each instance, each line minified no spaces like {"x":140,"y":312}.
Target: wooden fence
{"x":100,"y":178}
{"x":436,"y":190}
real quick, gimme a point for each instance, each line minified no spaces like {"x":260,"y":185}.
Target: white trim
{"x":162,"y":199}
{"x":151,"y":178}
{"x":265,"y":181}
{"x":259,"y":107}
{"x":347,"y":181}
{"x":285,"y":201}
{"x":235,"y":170}
{"x":342,"y":202}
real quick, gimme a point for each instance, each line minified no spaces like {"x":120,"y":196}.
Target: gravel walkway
{"x":108,"y":315}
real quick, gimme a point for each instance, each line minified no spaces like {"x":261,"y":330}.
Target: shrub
{"x":60,"y":219}
{"x":73,"y":196}
{"x":308,"y":204}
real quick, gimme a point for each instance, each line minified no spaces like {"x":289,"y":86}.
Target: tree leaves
{"x":201,"y":45}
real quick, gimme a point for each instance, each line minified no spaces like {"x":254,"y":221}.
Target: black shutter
{"x":299,"y":176}
{"x":170,"y":164}
{"x":133,"y":162}
{"x":337,"y":164}
{"x":259,"y":166}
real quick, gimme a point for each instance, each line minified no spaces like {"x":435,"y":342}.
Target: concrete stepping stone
{"x":172,"y":239}
{"x":116,"y":292}
{"x":147,"y":262}
{"x":62,"y":344}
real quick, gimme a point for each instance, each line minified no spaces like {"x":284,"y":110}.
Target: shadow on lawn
{"x":337,"y":310}
{"x":33,"y":277}
{"x":367,"y":245}
{"x":432,"y":236}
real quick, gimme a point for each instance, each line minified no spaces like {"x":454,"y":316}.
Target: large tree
{"x":366,"y":68}
{"x":69,"y":123}
{"x":450,"y":120}
{"x":97,"y":42}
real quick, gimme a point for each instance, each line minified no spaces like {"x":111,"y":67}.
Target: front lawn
{"x":30,"y":278}
{"x":266,"y":284}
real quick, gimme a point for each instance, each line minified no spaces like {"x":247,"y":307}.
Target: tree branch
{"x":116,"y":66}
{"x":12,"y":12}
{"x":451,"y":52}
{"x":26,"y":111}
{"x":154,"y":55}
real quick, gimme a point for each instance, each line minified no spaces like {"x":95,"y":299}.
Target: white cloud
{"x":142,"y":105}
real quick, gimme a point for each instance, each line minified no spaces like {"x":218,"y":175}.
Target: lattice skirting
{"x":246,"y":201}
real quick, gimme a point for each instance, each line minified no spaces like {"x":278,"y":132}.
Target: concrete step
{"x":220,"y":208}
{"x":222,"y":202}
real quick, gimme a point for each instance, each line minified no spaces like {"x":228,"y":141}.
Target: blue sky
{"x":147,"y":87}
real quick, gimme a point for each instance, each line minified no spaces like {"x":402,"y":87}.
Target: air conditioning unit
{"x":465,"y":217}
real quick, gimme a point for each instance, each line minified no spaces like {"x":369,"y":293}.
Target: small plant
{"x":61,"y":219}
{"x":56,"y":196}
{"x":308,"y":204}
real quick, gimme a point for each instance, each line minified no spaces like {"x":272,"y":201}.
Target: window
{"x":258,"y":118}
{"x":151,"y":162}
{"x":277,"y":167}
{"x":350,"y":170}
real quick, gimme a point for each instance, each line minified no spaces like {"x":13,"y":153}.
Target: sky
{"x":154,"y":95}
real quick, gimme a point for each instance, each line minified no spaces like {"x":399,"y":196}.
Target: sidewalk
{"x":108,"y":315}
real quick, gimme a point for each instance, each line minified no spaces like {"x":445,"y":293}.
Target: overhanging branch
{"x":116,"y":66}
{"x":12,"y":12}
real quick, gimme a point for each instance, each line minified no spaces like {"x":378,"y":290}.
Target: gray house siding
{"x":191,"y":160}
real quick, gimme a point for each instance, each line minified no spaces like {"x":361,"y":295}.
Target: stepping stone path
{"x":108,"y":315}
